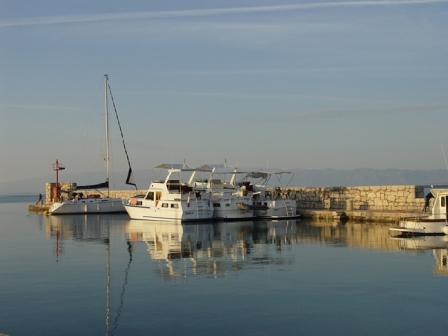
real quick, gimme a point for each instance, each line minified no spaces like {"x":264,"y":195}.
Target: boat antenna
{"x":446,"y":163}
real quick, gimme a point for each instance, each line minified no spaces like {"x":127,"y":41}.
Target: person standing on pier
{"x":39,"y":201}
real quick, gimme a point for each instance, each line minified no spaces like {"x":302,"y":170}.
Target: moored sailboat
{"x":76,"y":203}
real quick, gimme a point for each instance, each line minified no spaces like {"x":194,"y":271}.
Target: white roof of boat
{"x":222,"y":169}
{"x":172,"y":166}
{"x":181,"y":167}
{"x":437,"y":191}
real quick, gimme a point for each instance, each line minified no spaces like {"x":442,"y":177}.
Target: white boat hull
{"x":160,"y":214}
{"x":172,"y":207}
{"x":229,"y":207}
{"x":280,"y":208}
{"x":87,"y":206}
{"x":420,"y":226}
{"x":233,"y":213}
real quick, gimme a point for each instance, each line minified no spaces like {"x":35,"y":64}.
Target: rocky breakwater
{"x":373,"y":203}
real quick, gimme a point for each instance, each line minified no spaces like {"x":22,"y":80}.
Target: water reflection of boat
{"x":217,"y":249}
{"x":170,"y":240}
{"x":92,"y":228}
{"x":95,"y":229}
{"x":422,"y":242}
{"x":438,"y":245}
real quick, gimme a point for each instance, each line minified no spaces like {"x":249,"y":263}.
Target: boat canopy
{"x":256,"y":175}
{"x":172,"y":166}
{"x":182,"y":167}
{"x":265,"y":175}
{"x":437,"y":192}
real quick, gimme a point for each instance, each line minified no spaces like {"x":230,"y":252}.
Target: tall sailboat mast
{"x":106,"y":111}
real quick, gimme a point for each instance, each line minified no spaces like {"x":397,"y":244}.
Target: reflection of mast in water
{"x":59,"y":246}
{"x":123,"y":288}
{"x":54,"y":229}
{"x":108,"y":283}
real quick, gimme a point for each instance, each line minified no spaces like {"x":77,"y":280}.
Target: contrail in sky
{"x":48,"y":20}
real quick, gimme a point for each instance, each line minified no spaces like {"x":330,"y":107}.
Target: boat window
{"x":164,"y":205}
{"x":216,"y":205}
{"x":150,"y":196}
{"x":442,"y":201}
{"x":175,"y":206}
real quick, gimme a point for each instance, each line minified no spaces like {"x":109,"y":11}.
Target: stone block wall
{"x":384,"y":198}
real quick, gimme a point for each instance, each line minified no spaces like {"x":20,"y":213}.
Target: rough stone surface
{"x":394,"y":197}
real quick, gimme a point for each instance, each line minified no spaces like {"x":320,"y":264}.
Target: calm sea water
{"x":108,"y":275}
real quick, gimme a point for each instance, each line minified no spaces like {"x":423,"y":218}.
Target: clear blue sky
{"x":288,"y":84}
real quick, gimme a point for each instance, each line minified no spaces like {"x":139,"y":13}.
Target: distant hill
{"x":302,"y":178}
{"x":367,"y":177}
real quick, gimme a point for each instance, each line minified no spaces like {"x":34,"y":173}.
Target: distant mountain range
{"x":302,"y":178}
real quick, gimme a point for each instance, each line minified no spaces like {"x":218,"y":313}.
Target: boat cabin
{"x":440,"y":203}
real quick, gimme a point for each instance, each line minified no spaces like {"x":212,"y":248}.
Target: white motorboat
{"x":231,"y":201}
{"x":80,"y":203}
{"x":434,"y":224}
{"x":276,"y":204}
{"x":176,"y":198}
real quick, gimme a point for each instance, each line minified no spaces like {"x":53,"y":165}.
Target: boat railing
{"x":289,"y":209}
{"x":404,"y":221}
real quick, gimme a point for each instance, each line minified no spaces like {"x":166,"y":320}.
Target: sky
{"x":256,"y":83}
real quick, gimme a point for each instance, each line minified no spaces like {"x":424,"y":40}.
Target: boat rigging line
{"x":130,"y":179}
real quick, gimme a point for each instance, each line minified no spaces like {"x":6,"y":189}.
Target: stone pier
{"x":360,"y":203}
{"x":357,"y":203}
{"x":382,"y":198}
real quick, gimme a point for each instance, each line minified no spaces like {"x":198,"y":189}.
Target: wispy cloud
{"x":232,"y":72}
{"x":252,"y":96}
{"x":358,"y":112}
{"x":42,"y":107}
{"x":50,"y":20}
